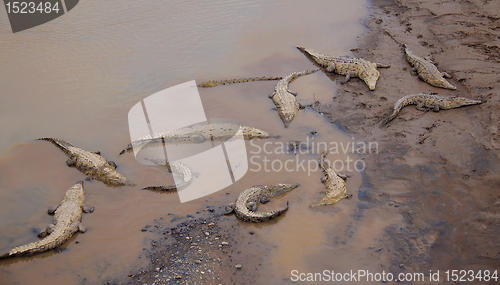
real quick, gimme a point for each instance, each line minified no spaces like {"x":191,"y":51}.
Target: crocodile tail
{"x":62,"y":144}
{"x":213,"y":83}
{"x":55,"y":239}
{"x":4,"y":256}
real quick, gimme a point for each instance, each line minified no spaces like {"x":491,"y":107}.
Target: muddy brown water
{"x":76,"y":78}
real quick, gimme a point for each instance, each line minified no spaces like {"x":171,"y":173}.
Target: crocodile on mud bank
{"x":285,"y":100}
{"x":334,"y":183}
{"x":429,"y":101}
{"x":67,"y":221}
{"x":90,"y":163}
{"x":213,"y":83}
{"x":245,"y":207}
{"x":425,"y":69}
{"x":181,"y":170}
{"x":348,"y":66}
{"x":199,"y":133}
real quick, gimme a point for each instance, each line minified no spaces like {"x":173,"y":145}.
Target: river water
{"x":77,"y":77}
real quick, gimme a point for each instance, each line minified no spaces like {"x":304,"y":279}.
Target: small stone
{"x":211,"y":224}
{"x":144,"y":230}
{"x":207,"y":233}
{"x":251,"y":232}
{"x":401,"y":265}
{"x":390,"y":203}
{"x":238,"y":266}
{"x":224,"y":243}
{"x":397,"y":205}
{"x":194,"y":244}
{"x":197,"y":261}
{"x":177,"y":277}
{"x":157,"y":268}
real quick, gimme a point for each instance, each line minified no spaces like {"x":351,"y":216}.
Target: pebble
{"x":224,"y":243}
{"x":238,"y":266}
{"x":197,"y":261}
{"x":207,"y":233}
{"x":177,"y":277}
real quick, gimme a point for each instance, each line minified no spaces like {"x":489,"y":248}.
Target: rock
{"x":238,"y":266}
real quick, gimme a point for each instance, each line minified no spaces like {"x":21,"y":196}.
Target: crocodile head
{"x":113,"y":177}
{"x":443,"y":83}
{"x":370,"y":77}
{"x":253,"y":133}
{"x":461,"y":101}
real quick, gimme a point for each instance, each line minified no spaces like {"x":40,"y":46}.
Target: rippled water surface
{"x":77,"y":77}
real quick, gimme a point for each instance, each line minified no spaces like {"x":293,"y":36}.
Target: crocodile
{"x":425,"y":69}
{"x":67,"y":222}
{"x":348,"y":66}
{"x":430,"y":101}
{"x":285,"y":100}
{"x":245,"y":207}
{"x":199,"y":133}
{"x":90,"y":163}
{"x":213,"y":83}
{"x":179,"y":169}
{"x":335,"y":184}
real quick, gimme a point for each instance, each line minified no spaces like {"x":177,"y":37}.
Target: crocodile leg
{"x":264,"y":199}
{"x":444,"y":74}
{"x":51,"y":210}
{"x":420,"y":106}
{"x":80,"y":226}
{"x":437,"y":107}
{"x":343,"y":176}
{"x":348,"y":76}
{"x":47,"y":231}
{"x":229,"y":209}
{"x":112,"y":164}
{"x":252,"y":206}
{"x":71,"y":162}
{"x":96,"y":152}
{"x":87,"y":209}
{"x":330,"y":67}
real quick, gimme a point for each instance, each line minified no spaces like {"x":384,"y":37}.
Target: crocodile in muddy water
{"x":199,"y":133}
{"x":90,"y":163}
{"x":348,"y":66}
{"x":67,"y":221}
{"x":425,"y":69}
{"x":245,"y":207}
{"x":334,"y":183}
{"x":285,"y":100}
{"x":424,"y":101}
{"x":213,"y":83}
{"x":179,"y":169}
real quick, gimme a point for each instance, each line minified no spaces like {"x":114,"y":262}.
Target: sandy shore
{"x":440,"y":169}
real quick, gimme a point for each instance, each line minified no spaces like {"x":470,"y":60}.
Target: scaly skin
{"x":90,"y":163}
{"x":178,"y":168}
{"x":348,"y":66}
{"x":213,"y":83}
{"x":67,"y":221}
{"x":285,"y":100}
{"x":425,"y":69}
{"x":199,"y":133}
{"x":334,"y":183}
{"x":430,"y":101}
{"x":252,"y":196}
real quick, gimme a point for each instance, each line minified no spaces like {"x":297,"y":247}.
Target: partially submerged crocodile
{"x":334,"y":183}
{"x":181,"y":170}
{"x":348,"y":66}
{"x":285,"y":100}
{"x":430,"y":101}
{"x":246,"y":205}
{"x":90,"y":163}
{"x":67,"y":221}
{"x":199,"y":133}
{"x":425,"y":69}
{"x":213,"y":83}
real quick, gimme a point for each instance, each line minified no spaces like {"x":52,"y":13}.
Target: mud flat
{"x":441,"y":169}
